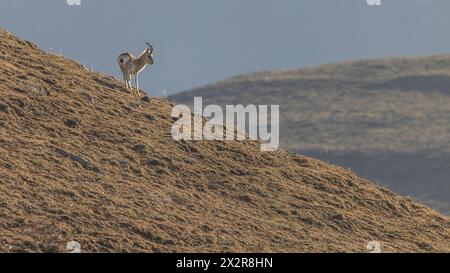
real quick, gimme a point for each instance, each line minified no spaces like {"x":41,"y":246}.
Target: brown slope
{"x":82,"y":159}
{"x":385,"y":119}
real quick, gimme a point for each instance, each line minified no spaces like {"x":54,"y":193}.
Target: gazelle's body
{"x":132,"y":66}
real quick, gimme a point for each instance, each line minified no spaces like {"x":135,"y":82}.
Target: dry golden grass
{"x":83,"y":159}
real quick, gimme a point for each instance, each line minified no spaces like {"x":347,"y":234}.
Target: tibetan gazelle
{"x":132,"y":66}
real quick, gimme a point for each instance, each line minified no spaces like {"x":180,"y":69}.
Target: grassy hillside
{"x":83,"y":159}
{"x":388,"y":119}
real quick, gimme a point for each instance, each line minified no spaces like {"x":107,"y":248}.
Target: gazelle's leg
{"x":125,"y":79}
{"x":129,"y":86}
{"x":137,"y":84}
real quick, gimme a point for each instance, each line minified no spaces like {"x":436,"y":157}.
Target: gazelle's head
{"x":149,"y":54}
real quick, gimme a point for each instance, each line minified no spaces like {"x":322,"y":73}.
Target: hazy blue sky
{"x":202,"y":41}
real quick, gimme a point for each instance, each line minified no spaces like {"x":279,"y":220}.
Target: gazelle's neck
{"x":140,"y":63}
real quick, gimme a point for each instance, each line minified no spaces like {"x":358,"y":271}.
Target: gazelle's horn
{"x":150,"y":46}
